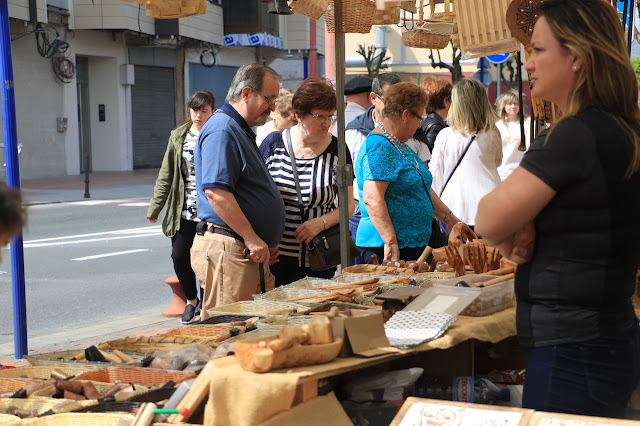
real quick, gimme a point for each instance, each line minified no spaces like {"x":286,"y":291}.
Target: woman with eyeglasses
{"x":394,"y":185}
{"x":316,"y":155}
{"x":467,"y":155}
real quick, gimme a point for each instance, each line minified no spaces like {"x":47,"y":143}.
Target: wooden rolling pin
{"x":498,"y":280}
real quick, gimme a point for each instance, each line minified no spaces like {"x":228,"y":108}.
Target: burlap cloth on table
{"x":319,"y":411}
{"x":242,"y":398}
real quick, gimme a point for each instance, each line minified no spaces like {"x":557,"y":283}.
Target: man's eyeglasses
{"x":322,"y":117}
{"x":379,"y":97}
{"x":269,"y":100}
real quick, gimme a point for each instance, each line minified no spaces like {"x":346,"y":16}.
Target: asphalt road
{"x":85,"y":262}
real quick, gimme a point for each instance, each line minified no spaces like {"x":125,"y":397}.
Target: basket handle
{"x":421,"y":11}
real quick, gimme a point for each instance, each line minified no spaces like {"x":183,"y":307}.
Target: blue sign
{"x":498,"y":58}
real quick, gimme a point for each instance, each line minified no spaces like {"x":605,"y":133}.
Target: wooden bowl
{"x":261,"y":360}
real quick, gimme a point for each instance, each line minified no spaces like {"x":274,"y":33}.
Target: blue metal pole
{"x":305,"y":65}
{"x":13,"y":179}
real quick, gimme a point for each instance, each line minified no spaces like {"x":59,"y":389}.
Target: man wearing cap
{"x":357,"y":91}
{"x":357,"y":131}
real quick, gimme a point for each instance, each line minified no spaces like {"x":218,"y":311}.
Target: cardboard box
{"x":362,"y":332}
{"x":544,"y":418}
{"x":422,"y":411}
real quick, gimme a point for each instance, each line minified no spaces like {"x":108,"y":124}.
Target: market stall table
{"x":240,"y":397}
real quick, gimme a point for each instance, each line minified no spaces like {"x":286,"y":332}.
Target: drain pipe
{"x":313,"y":51}
{"x":13,"y":180}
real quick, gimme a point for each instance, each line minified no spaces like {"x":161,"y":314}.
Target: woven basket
{"x":286,"y":320}
{"x":262,"y":331}
{"x":77,"y":419}
{"x":357,"y":16}
{"x":423,"y":37}
{"x":42,"y":405}
{"x":148,"y":345}
{"x":309,"y":282}
{"x":377,"y":269}
{"x":43,"y":373}
{"x":100,"y":387}
{"x":390,"y":15}
{"x":199,"y":331}
{"x":257,"y":307}
{"x":13,"y":385}
{"x":64,"y":359}
{"x":142,"y":376}
{"x":310,"y":8}
{"x":8,"y":419}
{"x":172,"y":9}
{"x":225,"y":319}
{"x":282,"y":293}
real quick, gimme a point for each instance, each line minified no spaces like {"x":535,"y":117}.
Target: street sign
{"x":498,"y":58}
{"x":485,"y":76}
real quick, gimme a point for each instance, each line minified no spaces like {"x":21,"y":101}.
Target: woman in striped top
{"x":316,"y":154}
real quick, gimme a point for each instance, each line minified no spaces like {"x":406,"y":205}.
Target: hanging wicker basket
{"x":310,"y":8}
{"x":428,"y":34}
{"x":172,"y":9}
{"x":357,"y":16}
{"x":387,"y":16}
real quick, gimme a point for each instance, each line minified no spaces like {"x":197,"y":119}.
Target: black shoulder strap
{"x":458,"y":163}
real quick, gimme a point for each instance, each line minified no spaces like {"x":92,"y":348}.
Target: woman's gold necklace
{"x":396,"y":144}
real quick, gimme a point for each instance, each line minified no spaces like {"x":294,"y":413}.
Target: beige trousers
{"x":224,"y":274}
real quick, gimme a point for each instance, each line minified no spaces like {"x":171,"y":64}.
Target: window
{"x":249,"y":16}
{"x":241,"y":16}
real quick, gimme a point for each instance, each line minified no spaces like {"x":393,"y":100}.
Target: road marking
{"x":147,"y":231}
{"x":104,"y":202}
{"x":115,"y":253}
{"x":134,"y":205}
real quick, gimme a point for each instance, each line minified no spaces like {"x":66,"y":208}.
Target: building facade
{"x":99,"y":84}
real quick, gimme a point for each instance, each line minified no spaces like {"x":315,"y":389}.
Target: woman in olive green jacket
{"x":176,"y":186}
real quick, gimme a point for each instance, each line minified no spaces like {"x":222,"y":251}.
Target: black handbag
{"x":324,"y":249}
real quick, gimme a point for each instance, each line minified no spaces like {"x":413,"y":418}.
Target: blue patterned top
{"x":409,"y":206}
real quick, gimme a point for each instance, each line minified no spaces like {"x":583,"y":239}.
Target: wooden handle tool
{"x":498,"y":280}
{"x":423,"y":257}
{"x":145,"y":415}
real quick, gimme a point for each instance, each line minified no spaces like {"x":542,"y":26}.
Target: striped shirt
{"x":317,"y":186}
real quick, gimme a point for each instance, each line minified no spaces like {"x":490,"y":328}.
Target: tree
{"x":635,"y":63}
{"x":455,"y":69}
{"x":511,"y":66}
{"x":374,"y":62}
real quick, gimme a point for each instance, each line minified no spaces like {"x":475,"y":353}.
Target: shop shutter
{"x":153,"y":114}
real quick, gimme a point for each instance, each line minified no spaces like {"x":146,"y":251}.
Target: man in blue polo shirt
{"x":240,"y":206}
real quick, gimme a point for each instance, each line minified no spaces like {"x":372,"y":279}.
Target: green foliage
{"x":635,"y":63}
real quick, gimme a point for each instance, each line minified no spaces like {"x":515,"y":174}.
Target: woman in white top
{"x":466,"y":156}
{"x":509,"y":127}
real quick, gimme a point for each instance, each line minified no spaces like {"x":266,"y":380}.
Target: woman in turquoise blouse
{"x":396,"y":200}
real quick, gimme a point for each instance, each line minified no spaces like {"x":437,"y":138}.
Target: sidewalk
{"x":102,"y":186}
{"x":136,"y":184}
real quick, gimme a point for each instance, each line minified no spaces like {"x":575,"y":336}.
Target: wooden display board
{"x":482,"y":28}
